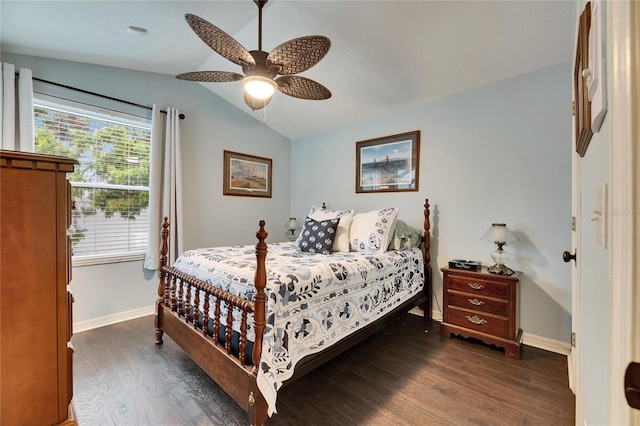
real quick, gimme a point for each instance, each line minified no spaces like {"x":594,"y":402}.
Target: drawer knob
{"x":476,"y":286}
{"x":474,"y":319}
{"x":476,"y":302}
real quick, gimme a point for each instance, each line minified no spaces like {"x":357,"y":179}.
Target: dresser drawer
{"x":478,"y":286}
{"x":478,"y":321}
{"x":478,"y":302}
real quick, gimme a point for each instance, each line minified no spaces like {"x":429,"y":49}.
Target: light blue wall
{"x":211,"y":126}
{"x":501,"y":152}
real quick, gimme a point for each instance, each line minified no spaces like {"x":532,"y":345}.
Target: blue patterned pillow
{"x":317,"y":235}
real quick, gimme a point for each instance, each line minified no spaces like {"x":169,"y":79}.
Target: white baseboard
{"x":539,"y":342}
{"x":80,"y":326}
{"x":416,"y":311}
{"x":435,"y":315}
{"x":547,"y":344}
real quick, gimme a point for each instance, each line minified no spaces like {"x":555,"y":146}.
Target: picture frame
{"x":581,"y":103}
{"x":389,"y":163}
{"x":247,"y":175}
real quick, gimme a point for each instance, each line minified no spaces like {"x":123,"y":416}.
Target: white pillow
{"x":341,"y":241}
{"x":370,"y":232}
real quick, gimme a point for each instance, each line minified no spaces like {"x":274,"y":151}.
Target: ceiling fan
{"x":261,"y":68}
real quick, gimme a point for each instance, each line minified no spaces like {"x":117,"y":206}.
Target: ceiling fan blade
{"x":210,"y":76}
{"x":302,"y":88}
{"x":256,"y":104}
{"x":218,"y":40}
{"x":300,"y":54}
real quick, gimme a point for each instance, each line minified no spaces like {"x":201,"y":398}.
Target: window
{"x":110,"y":186}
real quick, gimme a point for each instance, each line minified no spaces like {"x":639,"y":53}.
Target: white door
{"x":571,"y":256}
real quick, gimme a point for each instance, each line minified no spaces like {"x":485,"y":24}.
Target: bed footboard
{"x":183,"y":311}
{"x":183,"y":295}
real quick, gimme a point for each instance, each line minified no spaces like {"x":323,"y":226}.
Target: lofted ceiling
{"x":385,"y":55}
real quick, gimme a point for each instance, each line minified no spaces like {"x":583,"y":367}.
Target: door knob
{"x":632,"y":385}
{"x":568,"y":257}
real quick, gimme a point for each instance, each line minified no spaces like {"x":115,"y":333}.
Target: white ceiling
{"x":385,"y":55}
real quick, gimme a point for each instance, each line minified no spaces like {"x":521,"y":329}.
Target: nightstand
{"x":483,"y":306}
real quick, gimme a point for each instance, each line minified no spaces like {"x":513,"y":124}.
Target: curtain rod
{"x":182,"y":116}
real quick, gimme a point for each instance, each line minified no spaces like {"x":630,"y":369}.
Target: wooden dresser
{"x":483,"y":306}
{"x":36,"y":384}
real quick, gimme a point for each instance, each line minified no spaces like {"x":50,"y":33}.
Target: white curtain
{"x":16,"y":119}
{"x":165,"y":187}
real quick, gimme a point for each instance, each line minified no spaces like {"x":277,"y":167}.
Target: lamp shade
{"x":292,"y":224}
{"x":499,"y":233}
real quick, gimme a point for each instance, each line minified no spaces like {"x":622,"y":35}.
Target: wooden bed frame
{"x":230,"y":371}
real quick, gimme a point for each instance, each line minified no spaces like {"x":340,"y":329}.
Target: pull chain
{"x":265,"y":112}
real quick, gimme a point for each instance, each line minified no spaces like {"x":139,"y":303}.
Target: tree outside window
{"x":110,"y":186}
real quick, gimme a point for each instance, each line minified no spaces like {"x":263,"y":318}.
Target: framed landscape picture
{"x":388,"y":164}
{"x":246,"y":175}
{"x":582,"y":105}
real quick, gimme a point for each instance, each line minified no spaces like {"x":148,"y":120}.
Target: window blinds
{"x":110,"y":186}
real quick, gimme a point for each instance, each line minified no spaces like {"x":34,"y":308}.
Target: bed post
{"x":161,"y":284}
{"x":257,"y":409}
{"x":427,"y":260}
{"x":260,"y":281}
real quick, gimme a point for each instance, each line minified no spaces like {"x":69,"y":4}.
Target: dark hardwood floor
{"x":404,"y":375}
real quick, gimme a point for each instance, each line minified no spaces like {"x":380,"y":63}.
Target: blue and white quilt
{"x":313,"y":300}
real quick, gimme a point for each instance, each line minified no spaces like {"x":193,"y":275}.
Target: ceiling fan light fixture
{"x":259,"y":87}
{"x":264,"y":73}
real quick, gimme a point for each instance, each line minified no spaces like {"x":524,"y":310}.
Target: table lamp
{"x":499,"y":234}
{"x":292,"y":227}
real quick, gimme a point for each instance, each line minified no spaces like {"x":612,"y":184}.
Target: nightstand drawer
{"x":477,"y":321}
{"x":478,"y":286}
{"x":484,"y":306}
{"x":478,"y":302}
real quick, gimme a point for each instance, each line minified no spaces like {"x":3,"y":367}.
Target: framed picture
{"x":246,"y":175}
{"x":388,"y":164}
{"x":581,"y":103}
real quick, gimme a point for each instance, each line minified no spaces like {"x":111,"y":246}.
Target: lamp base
{"x":292,"y":235}
{"x":500,"y":269}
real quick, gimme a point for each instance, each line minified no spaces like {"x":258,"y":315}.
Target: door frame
{"x":624,"y":17}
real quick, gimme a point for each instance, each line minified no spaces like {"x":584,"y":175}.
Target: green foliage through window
{"x":110,"y":186}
